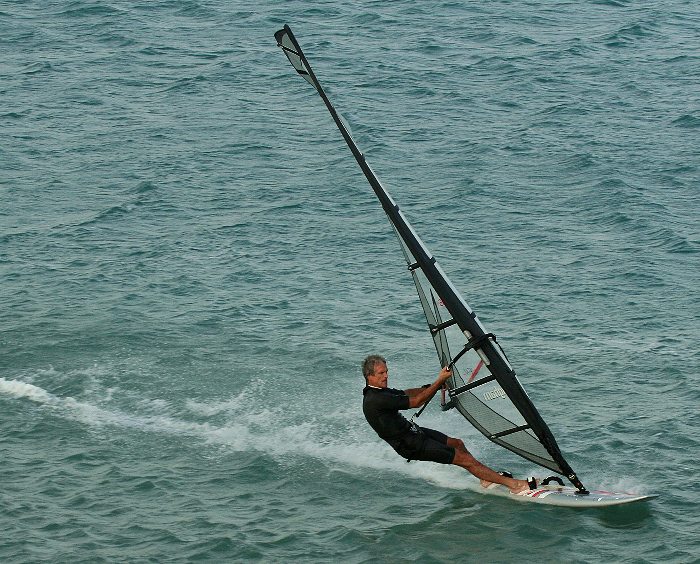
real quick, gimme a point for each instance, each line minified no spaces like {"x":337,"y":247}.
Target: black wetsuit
{"x":381,"y":408}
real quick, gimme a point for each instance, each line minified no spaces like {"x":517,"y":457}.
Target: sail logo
{"x":496,"y":393}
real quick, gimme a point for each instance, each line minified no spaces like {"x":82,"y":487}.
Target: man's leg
{"x":487,"y":476}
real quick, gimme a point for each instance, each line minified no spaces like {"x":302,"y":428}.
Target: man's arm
{"x":415,"y":391}
{"x":418,"y":396}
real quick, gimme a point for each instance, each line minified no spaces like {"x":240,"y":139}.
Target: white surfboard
{"x":567,"y":497}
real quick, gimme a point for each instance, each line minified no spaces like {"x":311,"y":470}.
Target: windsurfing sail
{"x":484,"y":387}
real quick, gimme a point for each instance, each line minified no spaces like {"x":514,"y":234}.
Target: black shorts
{"x":425,"y":444}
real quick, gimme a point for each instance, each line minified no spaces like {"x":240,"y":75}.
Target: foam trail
{"x":251,"y":432}
{"x":304,"y":439}
{"x":93,"y":415}
{"x":19,"y":389}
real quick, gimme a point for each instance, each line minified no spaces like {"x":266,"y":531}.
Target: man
{"x":381,"y":407}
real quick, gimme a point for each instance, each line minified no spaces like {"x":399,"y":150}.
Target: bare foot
{"x":514,"y":486}
{"x":522,"y":486}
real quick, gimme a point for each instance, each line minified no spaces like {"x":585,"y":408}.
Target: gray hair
{"x":370,"y":362}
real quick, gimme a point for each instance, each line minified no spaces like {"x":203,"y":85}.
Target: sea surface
{"x":192,"y":268}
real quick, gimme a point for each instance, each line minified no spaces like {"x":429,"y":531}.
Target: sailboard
{"x":484,"y":387}
{"x":565,"y":496}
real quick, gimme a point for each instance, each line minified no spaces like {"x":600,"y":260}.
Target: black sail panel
{"x":484,"y":387}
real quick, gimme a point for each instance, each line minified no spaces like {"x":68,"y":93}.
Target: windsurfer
{"x":381,"y":407}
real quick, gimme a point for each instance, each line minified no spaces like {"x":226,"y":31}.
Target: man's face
{"x":380,"y":377}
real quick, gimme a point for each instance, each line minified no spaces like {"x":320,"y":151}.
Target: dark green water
{"x":192,"y":268}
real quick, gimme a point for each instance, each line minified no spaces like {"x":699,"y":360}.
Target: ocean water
{"x":192,"y":267}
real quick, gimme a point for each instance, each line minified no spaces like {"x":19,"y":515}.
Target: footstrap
{"x":549,"y":479}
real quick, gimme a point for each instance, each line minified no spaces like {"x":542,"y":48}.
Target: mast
{"x":462,"y":316}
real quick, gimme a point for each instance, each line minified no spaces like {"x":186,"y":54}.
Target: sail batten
{"x":484,"y":387}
